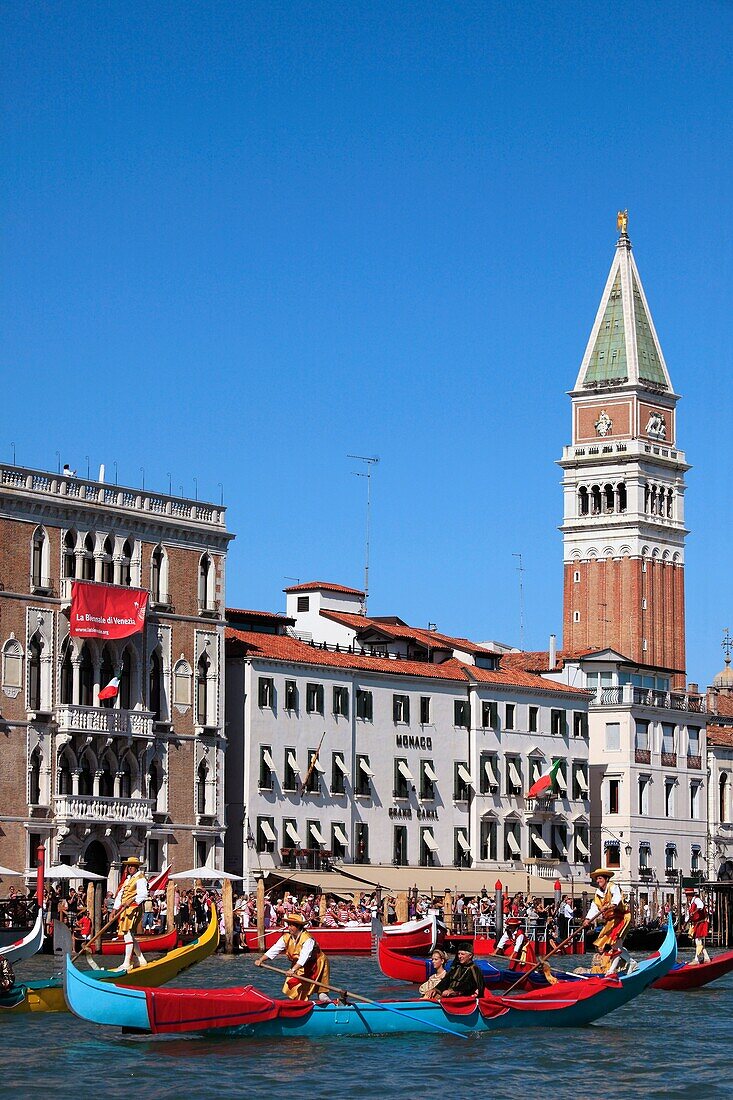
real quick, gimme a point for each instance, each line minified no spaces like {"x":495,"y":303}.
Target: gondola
{"x":48,"y":995}
{"x":417,"y":969}
{"x":415,"y":937}
{"x":686,"y":976}
{"x":166,"y":941}
{"x":349,"y":939}
{"x":28,"y":945}
{"x":247,"y":1012}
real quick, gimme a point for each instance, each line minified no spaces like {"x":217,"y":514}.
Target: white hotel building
{"x":427,"y":745}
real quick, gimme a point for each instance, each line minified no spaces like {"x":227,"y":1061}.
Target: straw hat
{"x":132,"y":861}
{"x":295,"y":918}
{"x":602,"y":871}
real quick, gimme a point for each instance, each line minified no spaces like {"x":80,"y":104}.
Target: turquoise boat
{"x":246,"y":1011}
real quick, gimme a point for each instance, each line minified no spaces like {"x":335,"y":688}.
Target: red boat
{"x":350,"y":939}
{"x":167,"y":941}
{"x":686,"y":976}
{"x":415,"y":937}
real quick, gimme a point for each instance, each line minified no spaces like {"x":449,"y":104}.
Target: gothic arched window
{"x":108,"y":561}
{"x":40,"y":571}
{"x":125,"y":692}
{"x":63,"y":773}
{"x":34,"y":778}
{"x":155,"y":684}
{"x":201,"y":778}
{"x":106,"y":673}
{"x":583,"y":499}
{"x":126,"y":566}
{"x":202,"y":690}
{"x":723,"y":798}
{"x":34,"y":673}
{"x":69,"y":554}
{"x":87,"y":565}
{"x":86,"y":678}
{"x":86,"y":778}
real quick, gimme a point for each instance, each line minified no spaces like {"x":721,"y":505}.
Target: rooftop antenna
{"x":520,"y":570}
{"x":369,"y":461}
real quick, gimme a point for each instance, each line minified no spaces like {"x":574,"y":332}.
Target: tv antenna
{"x":521,"y":570}
{"x":369,"y":461}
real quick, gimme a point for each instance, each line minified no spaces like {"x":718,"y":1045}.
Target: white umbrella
{"x":5,"y":871}
{"x":59,"y":871}
{"x":206,"y":873}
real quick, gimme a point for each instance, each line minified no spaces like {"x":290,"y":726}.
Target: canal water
{"x":660,"y":1045}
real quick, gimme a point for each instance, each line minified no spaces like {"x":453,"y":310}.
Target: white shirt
{"x":517,"y":944}
{"x":595,"y":905}
{"x":141,"y":892}
{"x":279,"y":946}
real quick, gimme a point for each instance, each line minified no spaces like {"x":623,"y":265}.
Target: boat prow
{"x":29,"y":945}
{"x":694,"y":976}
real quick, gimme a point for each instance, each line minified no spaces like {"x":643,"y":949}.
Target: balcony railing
{"x":628,"y":695}
{"x":78,"y":807}
{"x":669,"y":759}
{"x":542,"y":805}
{"x":694,"y":762}
{"x":643,"y":756}
{"x":129,"y":723}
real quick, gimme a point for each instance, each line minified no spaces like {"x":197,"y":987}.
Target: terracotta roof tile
{"x":431,"y":639}
{"x":720,"y":735}
{"x":311,"y":586}
{"x":721,"y":704}
{"x":281,"y":647}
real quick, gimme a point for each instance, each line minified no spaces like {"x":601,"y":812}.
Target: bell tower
{"x":623,"y":484}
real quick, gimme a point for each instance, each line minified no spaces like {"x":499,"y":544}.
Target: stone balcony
{"x":106,"y":811}
{"x":105,"y":721}
{"x":628,"y":695}
{"x":79,"y":490}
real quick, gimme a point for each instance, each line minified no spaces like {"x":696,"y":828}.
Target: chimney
{"x":552,"y":661}
{"x":693,"y":689}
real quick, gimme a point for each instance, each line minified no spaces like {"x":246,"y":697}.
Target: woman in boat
{"x":609,"y":907}
{"x":309,"y":970}
{"x":438,"y":959}
{"x":464,"y":979}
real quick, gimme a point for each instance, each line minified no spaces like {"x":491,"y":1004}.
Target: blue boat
{"x":246,"y":1011}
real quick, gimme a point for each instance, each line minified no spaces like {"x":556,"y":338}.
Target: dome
{"x":724,"y":679}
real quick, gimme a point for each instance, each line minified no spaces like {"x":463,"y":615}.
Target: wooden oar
{"x":344,"y":994}
{"x":543,"y":961}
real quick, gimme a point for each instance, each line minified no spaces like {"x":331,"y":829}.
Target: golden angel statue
{"x":622,"y":221}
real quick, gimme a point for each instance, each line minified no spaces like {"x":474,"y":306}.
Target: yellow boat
{"x":48,"y":995}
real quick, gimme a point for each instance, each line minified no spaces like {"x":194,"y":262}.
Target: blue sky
{"x":242,"y":240}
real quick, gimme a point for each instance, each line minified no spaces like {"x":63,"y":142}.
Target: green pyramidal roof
{"x":608,"y":358}
{"x":650,"y":369}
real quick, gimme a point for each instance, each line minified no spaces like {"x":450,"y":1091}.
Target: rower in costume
{"x":308,"y":962}
{"x":697,"y":915}
{"x":609,"y":907}
{"x":515,"y":944}
{"x":132,"y":893}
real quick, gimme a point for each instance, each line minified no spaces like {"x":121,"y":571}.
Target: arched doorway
{"x":96,"y":859}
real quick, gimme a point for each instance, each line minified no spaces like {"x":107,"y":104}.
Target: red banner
{"x":106,"y":611}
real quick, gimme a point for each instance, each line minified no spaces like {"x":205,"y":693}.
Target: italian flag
{"x":545,"y":784}
{"x":158,"y":884}
{"x":111,"y":689}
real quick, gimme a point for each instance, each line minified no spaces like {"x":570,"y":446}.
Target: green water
{"x":660,"y":1045}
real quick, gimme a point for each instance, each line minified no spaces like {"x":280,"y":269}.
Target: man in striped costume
{"x":132,"y":893}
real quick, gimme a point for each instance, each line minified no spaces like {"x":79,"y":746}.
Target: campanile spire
{"x":623,"y":524}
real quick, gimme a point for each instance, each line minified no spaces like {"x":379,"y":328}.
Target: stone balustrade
{"x":103,"y":720}
{"x":126,"y":811}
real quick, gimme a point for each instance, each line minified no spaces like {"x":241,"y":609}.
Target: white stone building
{"x":647,"y":775}
{"x":426,"y":747}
